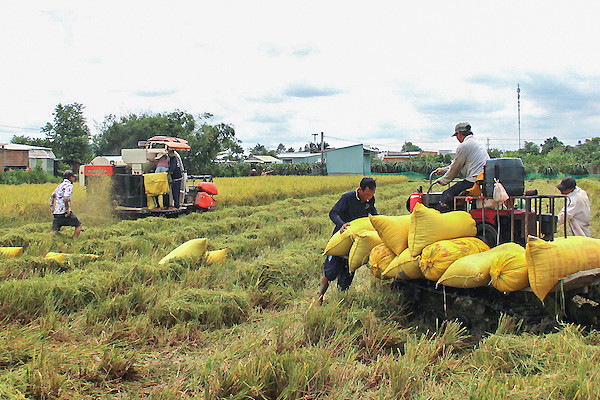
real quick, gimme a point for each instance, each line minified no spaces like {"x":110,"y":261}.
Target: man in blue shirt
{"x":352,"y":205}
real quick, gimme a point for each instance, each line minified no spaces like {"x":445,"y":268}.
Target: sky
{"x":380,"y":73}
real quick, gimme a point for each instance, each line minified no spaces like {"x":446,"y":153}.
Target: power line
{"x":19,"y":127}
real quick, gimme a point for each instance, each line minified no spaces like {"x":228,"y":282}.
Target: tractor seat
{"x":475,"y":191}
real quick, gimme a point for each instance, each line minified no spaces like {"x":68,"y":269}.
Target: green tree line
{"x":551,"y":158}
{"x":71,"y":141}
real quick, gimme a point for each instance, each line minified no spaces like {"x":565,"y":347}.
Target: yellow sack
{"x":156,"y":184}
{"x":61,"y":257}
{"x":437,"y":257}
{"x":379,"y":259}
{"x":58,"y":257}
{"x":403,"y":266}
{"x":340,"y":243}
{"x":11,"y":251}
{"x":429,"y":226}
{"x":508,"y":271}
{"x":474,"y":270}
{"x":548,"y":262}
{"x":393,"y":230}
{"x":191,"y":248}
{"x":361,"y":248}
{"x":215,"y":256}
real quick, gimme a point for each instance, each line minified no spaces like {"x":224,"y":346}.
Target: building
{"x":21,"y":156}
{"x":263,"y":160}
{"x":397,"y":156}
{"x":354,"y":159}
{"x":300,"y":157}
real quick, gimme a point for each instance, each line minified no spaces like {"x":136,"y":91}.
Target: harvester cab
{"x":138,"y":190}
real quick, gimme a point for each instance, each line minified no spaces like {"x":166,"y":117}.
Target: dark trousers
{"x":448,"y":195}
{"x":175,"y":188}
{"x":337,"y":268}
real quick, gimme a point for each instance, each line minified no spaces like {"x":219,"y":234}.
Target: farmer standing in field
{"x":60,"y":205}
{"x":578,"y":207}
{"x":352,"y":205}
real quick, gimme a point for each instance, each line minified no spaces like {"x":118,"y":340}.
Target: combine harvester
{"x":137,"y":191}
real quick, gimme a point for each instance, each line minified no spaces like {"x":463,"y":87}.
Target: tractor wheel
{"x":488,"y":233}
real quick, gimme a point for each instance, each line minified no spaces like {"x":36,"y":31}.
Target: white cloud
{"x":382,"y":72}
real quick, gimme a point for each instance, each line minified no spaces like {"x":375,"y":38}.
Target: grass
{"x":125,"y":327}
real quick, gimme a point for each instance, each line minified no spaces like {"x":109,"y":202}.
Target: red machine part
{"x":414,"y":199}
{"x":204,"y":200}
{"x":99,"y":170}
{"x":208,"y":187}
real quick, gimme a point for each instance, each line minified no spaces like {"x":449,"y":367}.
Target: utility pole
{"x":323,"y":172}
{"x":519,"y":112}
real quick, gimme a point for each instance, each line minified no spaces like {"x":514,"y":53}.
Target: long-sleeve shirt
{"x":61,"y":197}
{"x":578,"y":213}
{"x":470,"y":159}
{"x":349,"y":207}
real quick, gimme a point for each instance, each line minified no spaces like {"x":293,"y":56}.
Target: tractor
{"x":137,"y":191}
{"x":525,"y":214}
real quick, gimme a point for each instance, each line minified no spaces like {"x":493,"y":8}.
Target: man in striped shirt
{"x":60,"y":205}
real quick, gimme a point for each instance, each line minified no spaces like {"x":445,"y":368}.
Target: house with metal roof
{"x":354,"y":159}
{"x":22,"y":156}
{"x":299,"y":157}
{"x":263,"y":160}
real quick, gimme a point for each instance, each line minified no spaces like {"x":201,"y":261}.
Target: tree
{"x":314,"y":147}
{"x":280,"y":148}
{"x":291,"y":150}
{"x":408,"y":146}
{"x":261,"y":150}
{"x":495,"y":153}
{"x":126,"y":132}
{"x":207,"y":142}
{"x":551,"y":144}
{"x":69,"y":134}
{"x":31,"y":141}
{"x":529,"y":148}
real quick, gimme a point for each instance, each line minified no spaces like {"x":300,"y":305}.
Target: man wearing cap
{"x":578,"y":207}
{"x":60,"y":205}
{"x":470,"y":158}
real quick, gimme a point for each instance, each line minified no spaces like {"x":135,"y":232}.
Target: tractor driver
{"x":470,"y":158}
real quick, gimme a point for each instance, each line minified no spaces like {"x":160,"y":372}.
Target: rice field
{"x":124,"y":326}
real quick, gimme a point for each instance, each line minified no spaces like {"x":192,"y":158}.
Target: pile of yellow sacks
{"x":442,"y":247}
{"x":196,"y":248}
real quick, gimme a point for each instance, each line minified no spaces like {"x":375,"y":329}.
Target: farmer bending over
{"x":352,"y":205}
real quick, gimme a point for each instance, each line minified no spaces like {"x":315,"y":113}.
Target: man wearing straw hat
{"x":60,"y":205}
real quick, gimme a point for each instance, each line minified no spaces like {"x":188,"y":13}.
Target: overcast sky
{"x":379,"y":72}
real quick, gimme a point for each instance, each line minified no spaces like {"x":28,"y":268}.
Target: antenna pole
{"x":519,"y":112}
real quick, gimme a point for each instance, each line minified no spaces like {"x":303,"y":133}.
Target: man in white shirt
{"x":60,"y":205}
{"x":470,"y":158}
{"x":578,"y":207}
